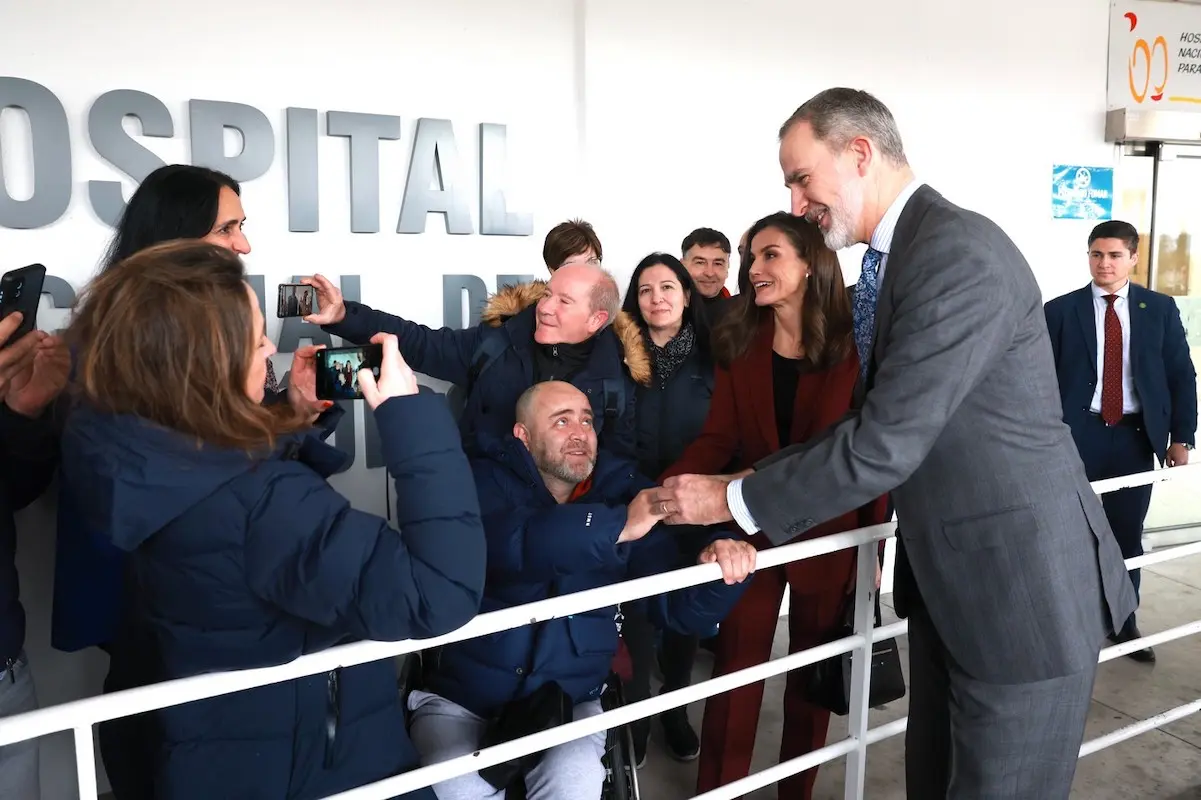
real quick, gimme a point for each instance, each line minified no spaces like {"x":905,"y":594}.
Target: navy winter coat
{"x":538,"y":548}
{"x":89,"y":570}
{"x":237,"y":562}
{"x":618,"y":359}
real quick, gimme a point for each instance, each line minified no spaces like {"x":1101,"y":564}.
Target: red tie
{"x":1111,"y":375}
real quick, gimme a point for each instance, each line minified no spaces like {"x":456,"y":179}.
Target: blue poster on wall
{"x":1081,"y":192}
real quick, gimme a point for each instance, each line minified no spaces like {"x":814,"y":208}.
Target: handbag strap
{"x":848,"y":613}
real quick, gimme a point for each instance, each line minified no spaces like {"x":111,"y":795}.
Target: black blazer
{"x":1164,"y":376}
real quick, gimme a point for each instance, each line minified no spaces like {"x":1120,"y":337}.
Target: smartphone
{"x":338,"y":370}
{"x":21,"y":290}
{"x":296,"y":300}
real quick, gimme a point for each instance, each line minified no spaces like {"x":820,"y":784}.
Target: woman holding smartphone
{"x":239,"y":553}
{"x":178,"y":201}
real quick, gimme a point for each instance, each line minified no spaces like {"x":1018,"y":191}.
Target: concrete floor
{"x":1161,"y":765}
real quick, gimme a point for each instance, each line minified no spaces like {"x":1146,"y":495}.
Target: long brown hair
{"x":167,"y":335}
{"x":826,"y":323}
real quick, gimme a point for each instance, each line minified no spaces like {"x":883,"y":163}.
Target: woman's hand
{"x":331,"y":308}
{"x":396,"y":378}
{"x":29,"y":392}
{"x":302,"y":383}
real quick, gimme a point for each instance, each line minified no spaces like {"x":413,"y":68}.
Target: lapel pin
{"x":1142,"y":305}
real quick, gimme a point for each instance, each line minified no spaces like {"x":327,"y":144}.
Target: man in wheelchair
{"x":559,"y":518}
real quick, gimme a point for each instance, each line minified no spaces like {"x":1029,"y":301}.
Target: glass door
{"x":1172,"y":248}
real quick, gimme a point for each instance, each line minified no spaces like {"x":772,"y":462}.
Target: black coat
{"x":28,"y":458}
{"x":668,"y":418}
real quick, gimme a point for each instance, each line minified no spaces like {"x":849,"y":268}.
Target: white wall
{"x":679,"y":104}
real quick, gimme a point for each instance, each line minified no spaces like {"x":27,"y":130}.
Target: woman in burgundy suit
{"x":786,"y":371}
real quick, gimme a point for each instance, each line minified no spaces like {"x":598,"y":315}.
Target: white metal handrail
{"x":81,"y":715}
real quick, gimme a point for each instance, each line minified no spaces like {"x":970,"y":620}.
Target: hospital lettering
{"x":436,"y":183}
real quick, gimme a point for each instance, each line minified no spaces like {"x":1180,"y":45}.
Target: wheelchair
{"x":621,"y":775}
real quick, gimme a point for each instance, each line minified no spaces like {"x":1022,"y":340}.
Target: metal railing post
{"x":861,"y":669}
{"x":85,"y":762}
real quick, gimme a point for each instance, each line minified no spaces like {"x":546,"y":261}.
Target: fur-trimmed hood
{"x":512,"y":300}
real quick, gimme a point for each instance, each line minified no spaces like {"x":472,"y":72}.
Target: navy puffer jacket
{"x":616,"y":366}
{"x":236,"y":562}
{"x":539,"y":548}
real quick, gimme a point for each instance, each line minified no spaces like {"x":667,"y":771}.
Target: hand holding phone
{"x":396,"y":378}
{"x":16,"y":361}
{"x":339,"y":370}
{"x":21,"y":291}
{"x":333,"y":307}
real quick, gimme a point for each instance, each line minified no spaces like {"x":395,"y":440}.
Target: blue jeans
{"x":19,"y":761}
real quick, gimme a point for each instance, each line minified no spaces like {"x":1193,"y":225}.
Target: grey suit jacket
{"x":1001,"y":537}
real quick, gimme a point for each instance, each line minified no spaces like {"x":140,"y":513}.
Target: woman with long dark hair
{"x":239,"y":552}
{"x":787,"y":369}
{"x":177,"y":201}
{"x":669,"y":413}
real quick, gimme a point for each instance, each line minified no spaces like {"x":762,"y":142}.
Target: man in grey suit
{"x":1006,"y":568}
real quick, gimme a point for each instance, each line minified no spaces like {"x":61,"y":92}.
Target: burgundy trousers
{"x":744,"y":640}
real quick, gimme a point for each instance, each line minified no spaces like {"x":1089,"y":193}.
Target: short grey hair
{"x":839,"y":115}
{"x":606,"y":296}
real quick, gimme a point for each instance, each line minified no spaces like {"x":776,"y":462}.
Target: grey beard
{"x":563,"y":472}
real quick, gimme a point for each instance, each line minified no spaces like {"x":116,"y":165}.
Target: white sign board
{"x":1154,"y":56}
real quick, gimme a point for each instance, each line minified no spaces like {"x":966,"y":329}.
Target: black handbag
{"x":829,"y":682}
{"x":546,"y":707}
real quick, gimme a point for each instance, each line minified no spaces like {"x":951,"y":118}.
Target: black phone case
{"x":21,"y":290}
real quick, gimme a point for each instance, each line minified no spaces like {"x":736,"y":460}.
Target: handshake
{"x":692,"y":500}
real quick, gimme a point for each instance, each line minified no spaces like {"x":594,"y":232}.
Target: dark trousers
{"x":1111,"y":452}
{"x":677,"y":651}
{"x":676,"y":654}
{"x":744,"y":640}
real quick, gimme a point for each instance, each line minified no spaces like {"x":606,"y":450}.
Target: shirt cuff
{"x":738,"y":509}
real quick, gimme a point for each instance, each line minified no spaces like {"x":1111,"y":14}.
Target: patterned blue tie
{"x":865,"y":307}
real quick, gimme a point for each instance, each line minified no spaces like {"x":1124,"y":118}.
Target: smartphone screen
{"x":296,"y":300}
{"x":338,"y":370}
{"x":21,"y":290}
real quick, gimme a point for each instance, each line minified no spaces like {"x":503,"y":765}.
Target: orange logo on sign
{"x":1151,"y":57}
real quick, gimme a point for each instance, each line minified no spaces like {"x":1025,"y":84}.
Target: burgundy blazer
{"x":741,"y":426}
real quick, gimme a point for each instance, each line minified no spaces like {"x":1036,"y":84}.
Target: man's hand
{"x":331,"y":308}
{"x":43,"y":380}
{"x":696,"y":499}
{"x":1177,"y":455}
{"x":643,"y":513}
{"x":735,"y":557}
{"x":302,"y":383}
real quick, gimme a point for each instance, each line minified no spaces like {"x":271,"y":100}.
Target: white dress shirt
{"x":882,"y":241}
{"x":1130,"y":402}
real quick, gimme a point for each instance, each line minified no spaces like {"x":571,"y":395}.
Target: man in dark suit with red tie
{"x":1127,"y":381}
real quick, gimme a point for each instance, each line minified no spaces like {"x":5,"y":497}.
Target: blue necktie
{"x":865,"y":307}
